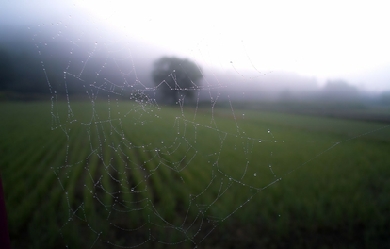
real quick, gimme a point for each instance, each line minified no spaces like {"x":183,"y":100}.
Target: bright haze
{"x":329,"y":40}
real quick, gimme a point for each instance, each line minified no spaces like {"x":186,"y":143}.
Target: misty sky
{"x":334,"y":39}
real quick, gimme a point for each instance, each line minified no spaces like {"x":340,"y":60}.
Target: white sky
{"x":327,"y":39}
{"x":345,"y":39}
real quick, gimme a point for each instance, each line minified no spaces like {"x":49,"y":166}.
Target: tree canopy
{"x":176,"y":76}
{"x":339,"y":86}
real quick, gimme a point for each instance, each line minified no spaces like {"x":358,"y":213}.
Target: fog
{"x":81,"y":38}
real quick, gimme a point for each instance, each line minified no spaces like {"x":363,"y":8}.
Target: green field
{"x":132,"y":175}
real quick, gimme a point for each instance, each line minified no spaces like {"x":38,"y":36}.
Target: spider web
{"x":138,"y":173}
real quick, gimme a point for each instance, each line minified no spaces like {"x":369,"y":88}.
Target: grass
{"x":125,"y":174}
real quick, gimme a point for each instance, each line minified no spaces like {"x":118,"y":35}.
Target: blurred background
{"x":156,"y":124}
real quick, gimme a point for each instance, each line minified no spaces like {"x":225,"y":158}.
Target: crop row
{"x":144,"y":176}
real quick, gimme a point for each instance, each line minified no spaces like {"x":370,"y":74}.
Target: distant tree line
{"x":25,"y":71}
{"x":339,"y":85}
{"x":21,"y":72}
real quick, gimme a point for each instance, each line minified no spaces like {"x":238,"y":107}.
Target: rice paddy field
{"x":115,"y":174}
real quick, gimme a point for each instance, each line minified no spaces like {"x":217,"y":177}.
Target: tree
{"x":339,"y":90}
{"x":176,"y":76}
{"x":339,"y":86}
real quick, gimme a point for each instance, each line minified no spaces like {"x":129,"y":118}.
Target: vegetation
{"x":135,"y":174}
{"x":174,"y":76}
